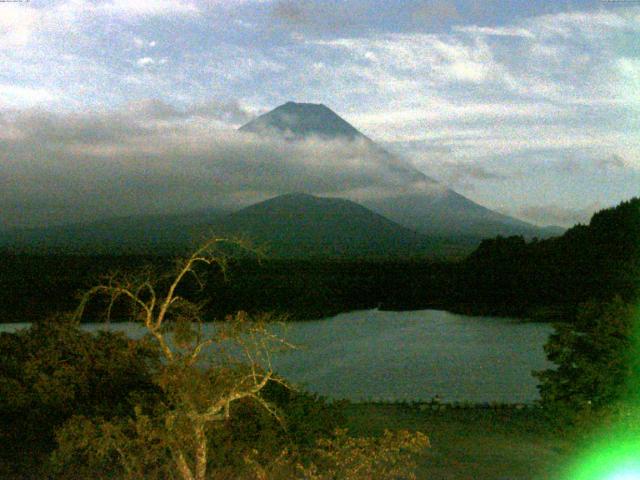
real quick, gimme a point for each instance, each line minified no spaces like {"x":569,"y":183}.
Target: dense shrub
{"x":138,"y":446}
{"x":54,"y":370}
{"x":597,"y":361}
{"x":62,"y":387}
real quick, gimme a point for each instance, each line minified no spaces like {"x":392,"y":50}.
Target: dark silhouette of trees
{"x":595,"y":261}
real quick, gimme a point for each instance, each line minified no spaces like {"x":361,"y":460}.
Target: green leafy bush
{"x":597,"y":361}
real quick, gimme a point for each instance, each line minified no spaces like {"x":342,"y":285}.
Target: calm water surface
{"x":414,"y":355}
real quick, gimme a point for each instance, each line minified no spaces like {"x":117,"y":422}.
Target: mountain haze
{"x":383,"y":206}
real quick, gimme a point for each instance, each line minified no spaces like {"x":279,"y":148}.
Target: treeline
{"x":594,"y":272}
{"x":33,"y":286}
{"x":544,"y":279}
{"x":589,"y":262}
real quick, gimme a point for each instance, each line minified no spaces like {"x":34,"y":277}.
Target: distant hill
{"x":421,"y":203}
{"x":143,"y":234}
{"x":299,"y":225}
{"x":295,"y":225}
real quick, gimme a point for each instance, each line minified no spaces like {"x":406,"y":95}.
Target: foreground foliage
{"x":178,"y":403}
{"x":597,"y":363}
{"x":53,"y":371}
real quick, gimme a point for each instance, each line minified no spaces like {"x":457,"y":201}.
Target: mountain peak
{"x":292,"y":104}
{"x":297,"y":196}
{"x":299,"y":120}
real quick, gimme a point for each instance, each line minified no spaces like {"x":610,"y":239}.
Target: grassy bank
{"x":471,"y":443}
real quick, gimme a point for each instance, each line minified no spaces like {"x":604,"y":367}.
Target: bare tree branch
{"x":228,"y":377}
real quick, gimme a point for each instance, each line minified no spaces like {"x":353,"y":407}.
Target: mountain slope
{"x":451,"y":214}
{"x":298,"y":225}
{"x":297,"y":121}
{"x":293,"y":225}
{"x":422,"y":204}
{"x":302,"y":225}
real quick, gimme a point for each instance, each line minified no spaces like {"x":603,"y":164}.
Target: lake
{"x":414,"y":355}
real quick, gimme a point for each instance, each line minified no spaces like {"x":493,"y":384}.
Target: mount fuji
{"x":401,"y":193}
{"x":371,"y":203}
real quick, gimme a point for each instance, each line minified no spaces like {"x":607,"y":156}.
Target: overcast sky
{"x":528,"y":107}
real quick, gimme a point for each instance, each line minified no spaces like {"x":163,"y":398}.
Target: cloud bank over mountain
{"x":152,"y":157}
{"x":514,"y":103}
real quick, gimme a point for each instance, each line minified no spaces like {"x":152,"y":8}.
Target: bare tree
{"x":200,"y":375}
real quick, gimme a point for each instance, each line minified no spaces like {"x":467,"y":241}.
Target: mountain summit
{"x":301,"y":120}
{"x":297,"y":121}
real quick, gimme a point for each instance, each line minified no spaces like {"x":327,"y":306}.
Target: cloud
{"x":615,"y":161}
{"x":556,"y":215}
{"x":141,"y":43}
{"x":551,"y":69}
{"x":292,"y":12}
{"x":148,"y":8}
{"x":460,"y":171}
{"x":442,"y":60}
{"x":133,"y":121}
{"x":435,"y":11}
{"x":20,"y":95}
{"x":229,"y":113}
{"x":21,"y":23}
{"x":592,"y":25}
{"x":316,"y":17}
{"x":495,"y":31}
{"x":153,"y":157}
{"x":441,"y":110}
{"x":17,"y":23}
{"x":596,"y":163}
{"x":463,"y":175}
{"x":141,"y":62}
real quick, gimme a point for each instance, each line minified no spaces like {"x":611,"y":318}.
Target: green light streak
{"x":615,"y":453}
{"x":616,"y":458}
